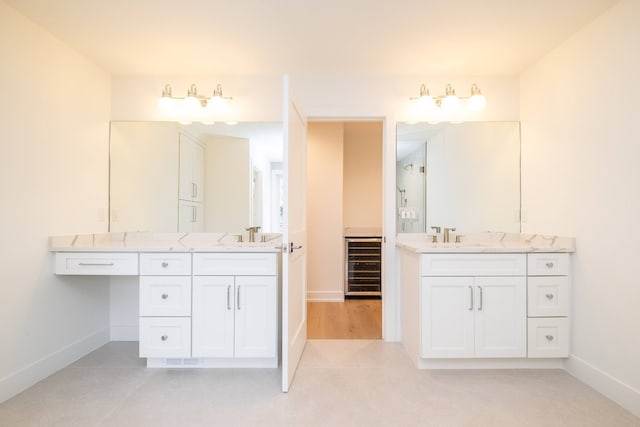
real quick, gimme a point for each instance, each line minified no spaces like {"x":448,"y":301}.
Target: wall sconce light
{"x":450,"y":101}
{"x":193,"y":104}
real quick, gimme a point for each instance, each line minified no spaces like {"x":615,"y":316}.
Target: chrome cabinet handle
{"x":194,"y":189}
{"x":549,"y":337}
{"x":480,"y":304}
{"x":96,"y":264}
{"x":165,"y":264}
{"x":549,"y":265}
{"x":238,"y":298}
{"x":229,"y":297}
{"x":549,"y":296}
{"x":194,"y":215}
{"x":164,"y":337}
{"x":165,"y":296}
{"x":470,"y":298}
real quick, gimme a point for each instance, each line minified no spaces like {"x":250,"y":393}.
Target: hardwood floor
{"x":351,"y":319}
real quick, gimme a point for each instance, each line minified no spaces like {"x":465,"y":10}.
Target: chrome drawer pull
{"x":549,"y":265}
{"x":470,"y":298}
{"x":96,"y":264}
{"x":229,"y":297}
{"x":164,"y":337}
{"x":165,"y":296}
{"x":238,"y":301}
{"x":549,"y":337}
{"x":549,"y":296}
{"x":480,"y":304}
{"x":165,"y":264}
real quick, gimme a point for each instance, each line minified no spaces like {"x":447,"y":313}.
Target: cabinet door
{"x":190,"y":217}
{"x":447,"y":309}
{"x":501,"y":317}
{"x":212,"y":316}
{"x":191,"y":170}
{"x":256,"y":316}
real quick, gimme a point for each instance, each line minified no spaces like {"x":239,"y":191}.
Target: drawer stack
{"x":165,"y":305}
{"x":548,"y":304}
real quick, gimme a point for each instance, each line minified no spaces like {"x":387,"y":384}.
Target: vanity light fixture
{"x":193,"y":101}
{"x":450,"y":101}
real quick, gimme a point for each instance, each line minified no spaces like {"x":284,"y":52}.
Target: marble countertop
{"x":161,"y":242}
{"x":489,"y":242}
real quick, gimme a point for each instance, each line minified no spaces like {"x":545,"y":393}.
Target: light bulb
{"x":477,"y":102}
{"x":191,"y":104}
{"x":450,"y":102}
{"x":166,"y":104}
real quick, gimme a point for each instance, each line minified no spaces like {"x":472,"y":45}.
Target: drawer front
{"x":165,"y":337}
{"x":554,"y":264}
{"x":165,"y":295}
{"x":473,"y":265}
{"x":97,"y":263}
{"x":548,"y":296}
{"x":548,"y":337}
{"x":163,"y":264}
{"x":234,"y":264}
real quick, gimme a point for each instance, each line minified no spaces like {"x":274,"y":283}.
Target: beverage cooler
{"x":363,"y":264}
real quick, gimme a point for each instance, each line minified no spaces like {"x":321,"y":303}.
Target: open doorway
{"x":344,"y":226}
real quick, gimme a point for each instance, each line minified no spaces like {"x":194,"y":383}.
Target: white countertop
{"x":160,"y":242}
{"x":487,"y":242}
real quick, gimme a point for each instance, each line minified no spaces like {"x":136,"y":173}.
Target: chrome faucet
{"x":446,"y":234}
{"x":252,"y":233}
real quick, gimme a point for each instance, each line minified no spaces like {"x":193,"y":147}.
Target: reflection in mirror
{"x":464,"y":175}
{"x":166,"y":177}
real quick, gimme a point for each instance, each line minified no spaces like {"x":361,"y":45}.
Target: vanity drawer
{"x":97,"y":263}
{"x":165,"y":337}
{"x":473,"y":265}
{"x":234,"y":264}
{"x":554,"y":264}
{"x":165,"y":264}
{"x":548,"y":296}
{"x":165,"y":295}
{"x":548,"y":337}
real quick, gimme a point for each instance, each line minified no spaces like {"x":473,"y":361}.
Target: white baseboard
{"x":621,"y":393}
{"x":325,"y":296}
{"x":24,"y":378}
{"x":124,"y":333}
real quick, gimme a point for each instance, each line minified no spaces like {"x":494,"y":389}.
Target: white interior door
{"x":294,"y":236}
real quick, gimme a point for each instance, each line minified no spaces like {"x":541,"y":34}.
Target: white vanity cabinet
{"x":235,"y":306}
{"x":548,"y":305}
{"x":165,"y":305}
{"x":473,"y":306}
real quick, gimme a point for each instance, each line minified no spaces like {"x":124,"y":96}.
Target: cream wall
{"x":325,"y":238}
{"x":362,"y":198}
{"x":580,"y":140}
{"x":54,"y":116}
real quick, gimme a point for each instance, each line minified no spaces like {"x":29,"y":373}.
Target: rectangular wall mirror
{"x":462,"y":175}
{"x":167,"y":177}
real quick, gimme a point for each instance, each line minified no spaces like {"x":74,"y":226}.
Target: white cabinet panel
{"x":235,"y":264}
{"x":548,"y":296}
{"x":165,"y":264}
{"x":548,"y":337}
{"x":473,"y":265}
{"x":256,"y":316}
{"x":548,"y":264}
{"x":447,"y":317}
{"x":97,"y":263}
{"x":165,"y":296}
{"x":165,"y":337}
{"x":191,"y":169}
{"x":213,"y":316}
{"x":190,"y":217}
{"x":501,"y":317}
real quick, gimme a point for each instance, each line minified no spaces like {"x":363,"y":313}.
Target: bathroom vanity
{"x":495,"y":300}
{"x":204,"y":299}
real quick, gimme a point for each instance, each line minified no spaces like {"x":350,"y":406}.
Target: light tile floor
{"x":338,"y":383}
